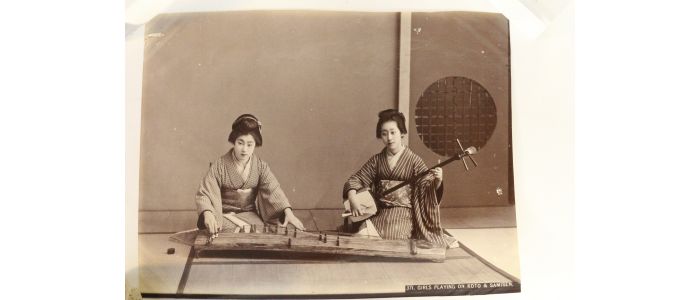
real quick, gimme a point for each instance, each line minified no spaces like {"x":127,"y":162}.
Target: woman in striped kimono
{"x":410,"y":212}
{"x":239,"y":189}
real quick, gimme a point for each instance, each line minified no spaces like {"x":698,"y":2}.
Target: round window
{"x":455,"y":108}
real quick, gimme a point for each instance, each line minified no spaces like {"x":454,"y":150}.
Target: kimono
{"x":416,"y":214}
{"x":255,"y":200}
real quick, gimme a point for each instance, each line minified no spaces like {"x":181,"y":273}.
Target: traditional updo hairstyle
{"x":246,"y":124}
{"x":391,"y":115}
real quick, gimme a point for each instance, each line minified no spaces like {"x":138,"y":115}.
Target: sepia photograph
{"x":395,"y":149}
{"x":326,"y":154}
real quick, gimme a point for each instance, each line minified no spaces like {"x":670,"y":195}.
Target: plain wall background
{"x":315,"y":80}
{"x":476,"y":46}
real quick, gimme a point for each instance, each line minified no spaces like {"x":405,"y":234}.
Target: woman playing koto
{"x":413,"y":210}
{"x":240,"y":190}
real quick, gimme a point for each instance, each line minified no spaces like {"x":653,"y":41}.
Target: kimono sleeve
{"x":426,"y":211}
{"x":208,"y":196}
{"x":428,"y":181}
{"x":271,"y":199}
{"x":363,"y":178}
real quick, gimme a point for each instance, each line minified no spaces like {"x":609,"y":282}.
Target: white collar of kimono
{"x":243,"y":168}
{"x":388,"y":152}
{"x":392,"y":159}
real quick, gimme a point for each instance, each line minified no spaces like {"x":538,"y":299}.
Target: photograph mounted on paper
{"x":326,"y":154}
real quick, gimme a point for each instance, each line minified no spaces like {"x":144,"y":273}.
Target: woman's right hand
{"x":210,"y":223}
{"x":355,"y":207}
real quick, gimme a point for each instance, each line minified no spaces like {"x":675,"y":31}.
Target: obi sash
{"x":400,"y":197}
{"x":238,"y":200}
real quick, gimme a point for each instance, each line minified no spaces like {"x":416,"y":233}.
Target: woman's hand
{"x":210,"y":223}
{"x":355,"y":208}
{"x":289,"y":217}
{"x":437,"y":173}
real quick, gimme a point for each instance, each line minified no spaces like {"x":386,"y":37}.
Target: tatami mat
{"x":162,"y":273}
{"x":489,"y":233}
{"x":499,"y":246}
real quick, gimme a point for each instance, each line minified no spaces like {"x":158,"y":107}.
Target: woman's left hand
{"x":291,"y":218}
{"x":437,"y":173}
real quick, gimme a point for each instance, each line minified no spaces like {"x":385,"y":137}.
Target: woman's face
{"x":391,"y":136}
{"x":243,"y":147}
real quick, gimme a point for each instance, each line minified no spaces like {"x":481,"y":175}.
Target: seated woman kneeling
{"x":412,"y":212}
{"x":239,"y":189}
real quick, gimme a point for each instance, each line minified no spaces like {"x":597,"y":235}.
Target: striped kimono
{"x":265,"y":201}
{"x":418,"y":218}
